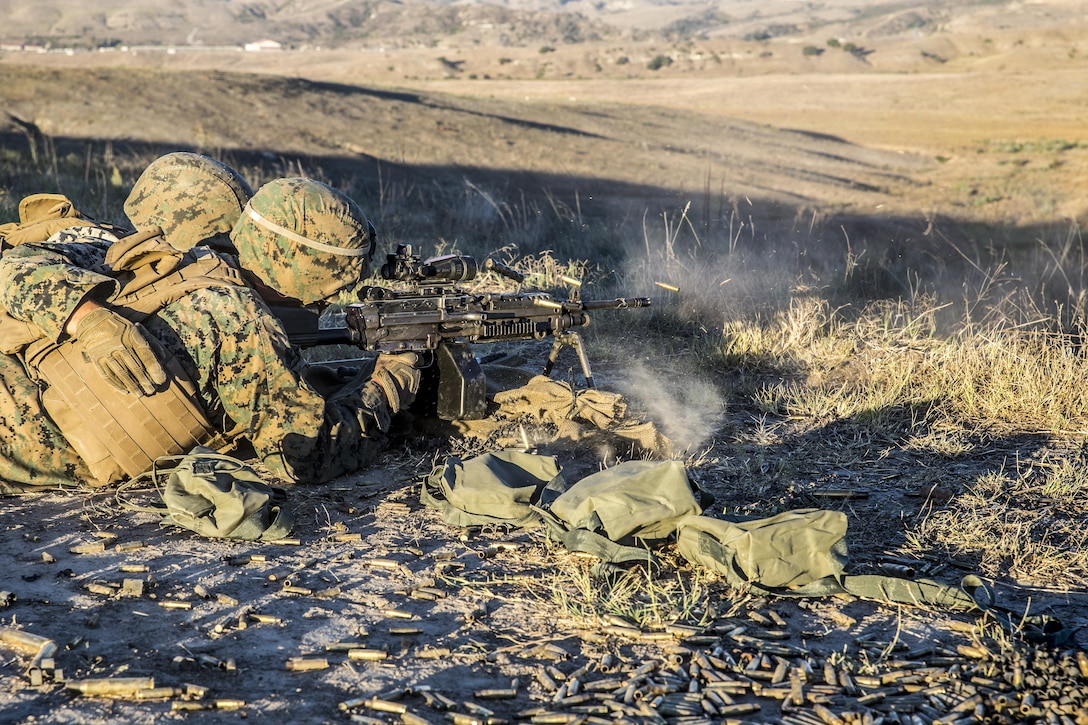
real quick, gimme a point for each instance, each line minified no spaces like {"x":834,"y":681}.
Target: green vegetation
{"x":659,"y":62}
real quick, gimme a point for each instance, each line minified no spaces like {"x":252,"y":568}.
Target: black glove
{"x":120,"y":352}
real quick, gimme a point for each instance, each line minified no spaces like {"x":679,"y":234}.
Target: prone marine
{"x":118,"y":348}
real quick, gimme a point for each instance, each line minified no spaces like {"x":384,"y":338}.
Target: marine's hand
{"x":398,"y":375}
{"x":120,"y":352}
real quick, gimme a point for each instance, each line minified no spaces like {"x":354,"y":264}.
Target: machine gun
{"x":435,"y":317}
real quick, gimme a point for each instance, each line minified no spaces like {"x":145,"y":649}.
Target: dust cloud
{"x":685,"y":407}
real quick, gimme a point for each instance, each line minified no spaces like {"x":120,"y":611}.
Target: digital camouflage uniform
{"x":248,"y":378}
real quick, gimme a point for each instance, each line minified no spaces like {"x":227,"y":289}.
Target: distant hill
{"x":399,"y":23}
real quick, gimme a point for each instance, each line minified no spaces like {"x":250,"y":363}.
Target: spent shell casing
{"x":175,"y":604}
{"x":129,"y":546}
{"x":899,"y":570}
{"x":477,"y":709}
{"x":396,"y":613}
{"x":977,"y":653}
{"x":667,"y":286}
{"x":24,"y":641}
{"x":405,"y":631}
{"x":307,"y":664}
{"x":367,"y":654}
{"x":229,"y":704}
{"x":829,"y":717}
{"x":132,"y":587}
{"x":432,"y":653}
{"x":190,"y":706}
{"x":352,"y":703}
{"x":410,"y":718}
{"x":94,"y":547}
{"x":375,"y":703}
{"x":197,"y":692}
{"x":102,"y":589}
{"x":344,"y":646}
{"x":545,"y":681}
{"x":508,"y":693}
{"x":134,"y":568}
{"x":381,"y":563}
{"x":292,"y":589}
{"x":158,"y":693}
{"x":111,"y":686}
{"x":839,"y":493}
{"x":265,"y":618}
{"x":438,"y":701}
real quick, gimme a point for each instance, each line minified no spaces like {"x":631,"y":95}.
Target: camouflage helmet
{"x":304,"y":239}
{"x":193,"y":198}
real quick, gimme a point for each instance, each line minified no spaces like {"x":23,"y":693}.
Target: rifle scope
{"x":404,"y":266}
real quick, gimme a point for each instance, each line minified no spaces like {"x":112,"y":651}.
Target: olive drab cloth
{"x":785,"y":551}
{"x":220,"y":497}
{"x":639,"y":499}
{"x":494,"y":488}
{"x":621,"y":514}
{"x":575,"y":413}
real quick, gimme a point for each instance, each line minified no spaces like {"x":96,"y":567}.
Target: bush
{"x":659,"y":62}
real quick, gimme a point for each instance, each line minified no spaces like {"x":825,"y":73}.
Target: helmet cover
{"x":304,"y":239}
{"x":193,"y":198}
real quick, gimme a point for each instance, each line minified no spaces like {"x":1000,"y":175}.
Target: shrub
{"x":659,"y":62}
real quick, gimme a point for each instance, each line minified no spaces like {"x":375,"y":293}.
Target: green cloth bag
{"x":619,"y":513}
{"x":786,"y":551}
{"x":642,"y":499}
{"x":803,"y":553}
{"x":494,"y":488}
{"x":217,"y":496}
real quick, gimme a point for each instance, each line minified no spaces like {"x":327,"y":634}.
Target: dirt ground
{"x":483,"y":625}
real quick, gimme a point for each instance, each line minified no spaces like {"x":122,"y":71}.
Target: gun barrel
{"x":618,"y":303}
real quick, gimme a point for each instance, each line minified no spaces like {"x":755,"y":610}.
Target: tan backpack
{"x":40,"y":217}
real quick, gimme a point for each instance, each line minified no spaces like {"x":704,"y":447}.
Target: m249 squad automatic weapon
{"x":434,"y":316}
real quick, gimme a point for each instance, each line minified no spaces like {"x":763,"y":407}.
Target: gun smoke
{"x":685,"y":408}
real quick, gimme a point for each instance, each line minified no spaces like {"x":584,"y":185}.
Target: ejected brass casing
{"x":307,"y":664}
{"x":39,"y":647}
{"x":363,"y":653}
{"x":111,"y":686}
{"x":385,"y":706}
{"x":158,"y":693}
